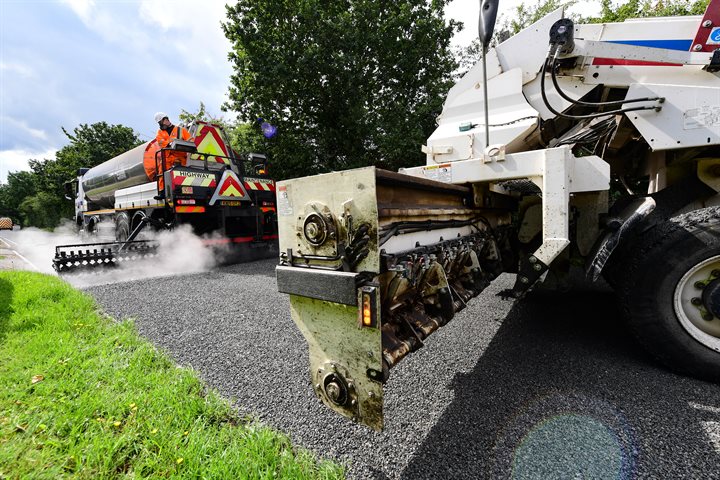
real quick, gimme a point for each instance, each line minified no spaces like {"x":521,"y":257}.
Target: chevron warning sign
{"x":229,"y":188}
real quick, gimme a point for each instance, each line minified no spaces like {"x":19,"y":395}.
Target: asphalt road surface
{"x":552,"y":387}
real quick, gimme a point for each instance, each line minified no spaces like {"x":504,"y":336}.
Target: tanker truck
{"x":594,"y":147}
{"x":225,"y":197}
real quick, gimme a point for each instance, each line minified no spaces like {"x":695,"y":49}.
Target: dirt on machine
{"x":225,"y":197}
{"x":568,"y":148}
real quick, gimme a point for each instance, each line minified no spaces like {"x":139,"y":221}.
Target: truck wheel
{"x":672,"y":296}
{"x":122,"y":227}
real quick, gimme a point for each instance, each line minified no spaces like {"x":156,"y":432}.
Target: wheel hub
{"x":697,"y":302}
{"x":711,"y":299}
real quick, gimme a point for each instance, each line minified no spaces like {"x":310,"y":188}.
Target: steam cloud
{"x":180,"y":252}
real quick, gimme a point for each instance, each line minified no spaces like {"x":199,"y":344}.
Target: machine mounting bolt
{"x":532,"y":260}
{"x":707,"y":316}
{"x":537,"y":267}
{"x":707,"y":23}
{"x":523,"y":280}
{"x":333,"y":366}
{"x":697,"y":47}
{"x":696,"y":301}
{"x":699,"y":285}
{"x":371,"y":394}
{"x":715,"y":273}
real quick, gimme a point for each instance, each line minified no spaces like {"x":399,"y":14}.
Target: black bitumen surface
{"x":551,"y":387}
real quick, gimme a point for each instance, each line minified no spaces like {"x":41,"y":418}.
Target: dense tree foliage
{"x":36,"y":198}
{"x":347,"y":83}
{"x":19,"y":186}
{"x":647,"y":8}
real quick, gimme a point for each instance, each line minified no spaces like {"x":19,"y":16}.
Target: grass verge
{"x":84,"y":397}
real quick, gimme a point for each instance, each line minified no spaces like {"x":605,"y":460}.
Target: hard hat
{"x":159,"y":116}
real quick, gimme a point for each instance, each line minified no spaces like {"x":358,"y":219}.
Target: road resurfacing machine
{"x":227,"y":197}
{"x":576,"y":145}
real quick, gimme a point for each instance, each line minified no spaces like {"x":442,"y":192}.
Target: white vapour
{"x":179,"y":252}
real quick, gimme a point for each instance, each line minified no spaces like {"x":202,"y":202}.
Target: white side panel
{"x":140,"y":196}
{"x":571,"y":86}
{"x":658,"y":28}
{"x":690,"y":116}
{"x":507,"y":106}
{"x":471,"y":81}
{"x":527,"y":50}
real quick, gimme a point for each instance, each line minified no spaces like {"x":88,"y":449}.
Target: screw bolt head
{"x":699,"y":285}
{"x":707,"y":316}
{"x":697,"y":47}
{"x":696,"y":301}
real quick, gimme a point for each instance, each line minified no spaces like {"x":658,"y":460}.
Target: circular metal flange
{"x":333,"y":384}
{"x":315,"y":229}
{"x":697,"y":302}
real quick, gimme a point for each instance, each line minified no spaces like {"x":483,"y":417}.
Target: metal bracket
{"x":530,"y":271}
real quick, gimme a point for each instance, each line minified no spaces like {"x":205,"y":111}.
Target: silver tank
{"x":126,"y":170}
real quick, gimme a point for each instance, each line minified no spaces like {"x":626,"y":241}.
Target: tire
{"x":122,"y":227}
{"x":673,"y":280}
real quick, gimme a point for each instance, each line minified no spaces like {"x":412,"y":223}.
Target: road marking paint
{"x":712,"y":430}
{"x":5,"y":240}
{"x":15,"y":252}
{"x":707,"y":408}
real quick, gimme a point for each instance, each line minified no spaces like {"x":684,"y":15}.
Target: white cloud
{"x":179,"y":49}
{"x":82,"y":8}
{"x":24,"y":127}
{"x":16,"y":160}
{"x":17,"y":68}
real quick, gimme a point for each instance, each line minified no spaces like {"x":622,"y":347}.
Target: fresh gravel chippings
{"x":552,"y":387}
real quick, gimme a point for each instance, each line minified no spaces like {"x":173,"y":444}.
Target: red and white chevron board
{"x":262,"y":185}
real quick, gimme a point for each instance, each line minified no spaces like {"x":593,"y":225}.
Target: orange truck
{"x":216,"y":191}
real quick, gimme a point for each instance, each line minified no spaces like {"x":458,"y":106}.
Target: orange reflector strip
{"x":190,"y":209}
{"x":368,"y":315}
{"x":367,"y":311}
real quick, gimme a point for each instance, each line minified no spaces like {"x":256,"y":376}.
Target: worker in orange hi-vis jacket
{"x":166,"y":134}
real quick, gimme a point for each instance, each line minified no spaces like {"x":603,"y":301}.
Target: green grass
{"x":84,"y":397}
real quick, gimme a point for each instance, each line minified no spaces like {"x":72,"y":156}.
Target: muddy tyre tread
{"x":662,"y":335}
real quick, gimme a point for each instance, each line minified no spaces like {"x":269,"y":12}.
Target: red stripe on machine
{"x":224,"y":241}
{"x":633,"y":63}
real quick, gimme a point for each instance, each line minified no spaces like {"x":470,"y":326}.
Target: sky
{"x":68,"y":62}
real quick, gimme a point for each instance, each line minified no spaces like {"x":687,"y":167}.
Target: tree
{"x":347,"y":83}
{"x":647,"y":8}
{"x":41,"y":210}
{"x":90,"y":145}
{"x":37,"y":198}
{"x":19,"y":186}
{"x":186,"y":117}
